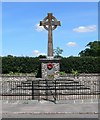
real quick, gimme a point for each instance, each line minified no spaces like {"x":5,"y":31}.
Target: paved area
{"x":47,"y":109}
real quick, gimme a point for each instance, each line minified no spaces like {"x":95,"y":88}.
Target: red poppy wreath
{"x":49,"y":66}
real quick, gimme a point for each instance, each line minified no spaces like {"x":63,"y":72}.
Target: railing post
{"x":46,"y":90}
{"x":39,"y":90}
{"x":55,"y":92}
{"x":32,"y":90}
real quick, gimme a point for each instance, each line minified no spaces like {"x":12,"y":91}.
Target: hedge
{"x":20,"y":64}
{"x":32,"y":64}
{"x":81,"y":64}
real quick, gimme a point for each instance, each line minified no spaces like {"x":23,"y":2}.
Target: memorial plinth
{"x":51,"y":72}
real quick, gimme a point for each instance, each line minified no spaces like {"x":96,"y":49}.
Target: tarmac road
{"x":47,"y":109}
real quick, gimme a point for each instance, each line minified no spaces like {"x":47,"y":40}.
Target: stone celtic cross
{"x":50,"y":23}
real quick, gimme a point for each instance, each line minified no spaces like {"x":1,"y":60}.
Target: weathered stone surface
{"x":50,"y":23}
{"x":56,"y":68}
{"x":24,"y":77}
{"x":82,"y":77}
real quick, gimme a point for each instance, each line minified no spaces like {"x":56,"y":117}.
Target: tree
{"x":93,"y":50}
{"x":57,"y":52}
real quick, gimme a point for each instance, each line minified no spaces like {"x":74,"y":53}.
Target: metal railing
{"x":54,"y":90}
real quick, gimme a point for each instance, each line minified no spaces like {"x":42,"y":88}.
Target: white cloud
{"x":82,"y":29}
{"x":39,"y":28}
{"x":37,"y":53}
{"x":71,"y":44}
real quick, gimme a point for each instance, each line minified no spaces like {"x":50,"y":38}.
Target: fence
{"x":54,"y":90}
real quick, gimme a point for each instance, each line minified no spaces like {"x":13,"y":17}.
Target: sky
{"x":22,"y":35}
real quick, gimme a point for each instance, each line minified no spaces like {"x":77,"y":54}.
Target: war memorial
{"x":51,"y":95}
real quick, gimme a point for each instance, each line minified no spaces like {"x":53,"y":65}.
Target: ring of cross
{"x":45,"y":20}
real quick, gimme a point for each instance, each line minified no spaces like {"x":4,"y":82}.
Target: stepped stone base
{"x":54,"y":72}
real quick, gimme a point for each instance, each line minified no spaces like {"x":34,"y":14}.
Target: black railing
{"x":59,"y":89}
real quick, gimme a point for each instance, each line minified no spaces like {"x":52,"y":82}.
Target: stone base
{"x":50,"y":73}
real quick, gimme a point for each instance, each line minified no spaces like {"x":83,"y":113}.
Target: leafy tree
{"x":93,"y":50}
{"x":57,"y":52}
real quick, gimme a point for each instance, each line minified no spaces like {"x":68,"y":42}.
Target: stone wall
{"x":84,"y":77}
{"x":24,"y":77}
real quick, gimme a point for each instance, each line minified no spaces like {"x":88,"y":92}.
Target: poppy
{"x":49,"y":66}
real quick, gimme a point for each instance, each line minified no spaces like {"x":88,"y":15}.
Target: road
{"x":47,"y":109}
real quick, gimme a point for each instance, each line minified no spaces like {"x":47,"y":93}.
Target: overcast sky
{"x":22,"y":35}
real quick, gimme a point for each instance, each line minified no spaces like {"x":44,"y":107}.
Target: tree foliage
{"x":93,"y":50}
{"x":57,"y":52}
